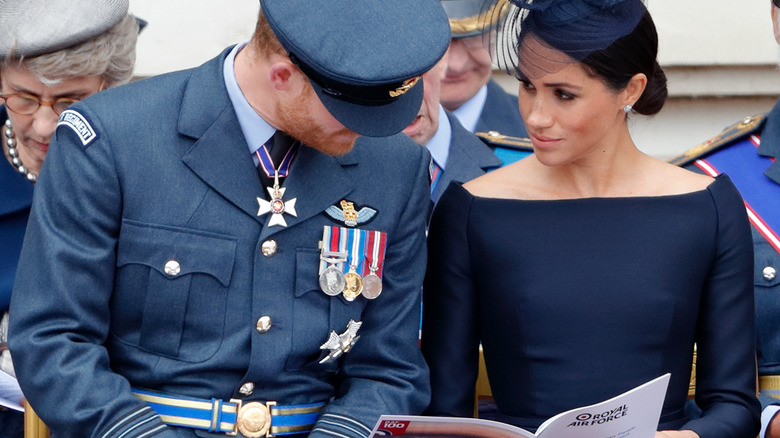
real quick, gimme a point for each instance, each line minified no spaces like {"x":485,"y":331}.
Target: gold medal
{"x":354,"y":285}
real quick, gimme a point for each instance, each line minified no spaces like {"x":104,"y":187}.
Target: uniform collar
{"x":255,"y":129}
{"x":468,"y":113}
{"x":770,"y":142}
{"x":439,"y":144}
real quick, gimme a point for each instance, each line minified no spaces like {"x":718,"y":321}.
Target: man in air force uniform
{"x":457,"y":154}
{"x":208,"y":254}
{"x":747,"y":152}
{"x":469,"y":91}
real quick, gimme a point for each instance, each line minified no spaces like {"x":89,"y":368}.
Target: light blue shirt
{"x":439,"y":144}
{"x":468,"y":113}
{"x":255,"y":129}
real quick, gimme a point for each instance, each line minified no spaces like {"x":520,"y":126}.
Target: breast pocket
{"x":315,"y":315}
{"x":766,"y":280}
{"x":171,"y":289}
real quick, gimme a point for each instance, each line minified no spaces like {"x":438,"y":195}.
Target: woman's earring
{"x":627,"y":109}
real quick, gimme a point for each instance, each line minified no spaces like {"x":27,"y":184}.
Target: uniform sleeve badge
{"x":80,"y":125}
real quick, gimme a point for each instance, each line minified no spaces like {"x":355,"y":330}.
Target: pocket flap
{"x":195,"y":251}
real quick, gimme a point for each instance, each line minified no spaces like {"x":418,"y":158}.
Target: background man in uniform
{"x":746,"y":152}
{"x":170,"y":278}
{"x":467,"y":89}
{"x":458,"y":155}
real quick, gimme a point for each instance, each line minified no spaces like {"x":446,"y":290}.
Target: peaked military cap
{"x":472,"y":17}
{"x":36,"y":27}
{"x":364,"y":59}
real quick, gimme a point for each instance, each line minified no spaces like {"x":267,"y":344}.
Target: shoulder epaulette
{"x":733,"y":132}
{"x":495,"y":138}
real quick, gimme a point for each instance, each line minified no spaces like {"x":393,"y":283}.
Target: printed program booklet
{"x":633,"y":414}
{"x":10,"y":393}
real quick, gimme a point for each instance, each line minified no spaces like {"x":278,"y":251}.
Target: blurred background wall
{"x":721,"y":61}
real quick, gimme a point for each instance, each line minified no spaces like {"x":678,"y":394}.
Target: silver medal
{"x":372,"y":286}
{"x":332,"y":281}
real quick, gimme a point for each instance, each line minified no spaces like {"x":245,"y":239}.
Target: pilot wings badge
{"x":348,"y":215}
{"x":341,"y":344}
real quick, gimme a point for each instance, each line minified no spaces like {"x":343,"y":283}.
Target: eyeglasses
{"x":26,"y":104}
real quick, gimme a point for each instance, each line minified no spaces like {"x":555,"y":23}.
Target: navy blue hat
{"x":542,"y":36}
{"x":472,"y":17}
{"x":36,"y":27}
{"x":364,"y":59}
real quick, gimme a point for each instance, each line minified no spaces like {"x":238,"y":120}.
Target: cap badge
{"x":406,"y":86}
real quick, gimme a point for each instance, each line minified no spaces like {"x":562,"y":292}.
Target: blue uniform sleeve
{"x":385,"y":372}
{"x":450,"y":335}
{"x":726,"y":363}
{"x":60,"y":316}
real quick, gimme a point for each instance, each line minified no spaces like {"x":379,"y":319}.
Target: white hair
{"x":110,"y":54}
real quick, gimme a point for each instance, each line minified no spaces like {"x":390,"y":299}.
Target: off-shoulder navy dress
{"x":576,"y":301}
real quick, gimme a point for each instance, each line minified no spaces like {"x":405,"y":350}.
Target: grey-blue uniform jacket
{"x":160,"y":172}
{"x":468,"y":158}
{"x":501,"y":113}
{"x":762,"y":134}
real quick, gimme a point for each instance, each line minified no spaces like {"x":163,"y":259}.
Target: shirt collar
{"x":468,"y":113}
{"x":439,"y":144}
{"x":256,"y":130}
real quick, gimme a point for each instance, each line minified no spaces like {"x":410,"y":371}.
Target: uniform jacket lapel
{"x":501,"y":113}
{"x":469,"y":158}
{"x":220,"y":155}
{"x":221,"y":158}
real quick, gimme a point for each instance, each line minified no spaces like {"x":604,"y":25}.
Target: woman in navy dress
{"x":589,"y":268}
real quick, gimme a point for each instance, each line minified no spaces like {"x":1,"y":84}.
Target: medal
{"x":354,"y":285}
{"x":372,"y":283}
{"x":332,"y":280}
{"x":332,"y":256}
{"x":353,"y":279}
{"x":276,"y":206}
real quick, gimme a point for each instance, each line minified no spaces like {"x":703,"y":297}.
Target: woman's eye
{"x":526,"y":85}
{"x":563,"y":95}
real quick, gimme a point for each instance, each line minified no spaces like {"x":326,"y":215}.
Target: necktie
{"x":277,"y":146}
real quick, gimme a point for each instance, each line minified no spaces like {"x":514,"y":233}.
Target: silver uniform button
{"x":247,"y":389}
{"x":269,"y":248}
{"x":172,"y":268}
{"x":769,"y":273}
{"x":264,"y":324}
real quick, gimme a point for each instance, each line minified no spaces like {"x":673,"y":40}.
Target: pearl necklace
{"x":14,"y":153}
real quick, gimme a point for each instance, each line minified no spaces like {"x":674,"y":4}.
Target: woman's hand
{"x":676,"y":434}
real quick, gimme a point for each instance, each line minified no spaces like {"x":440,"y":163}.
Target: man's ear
{"x":283,"y":75}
